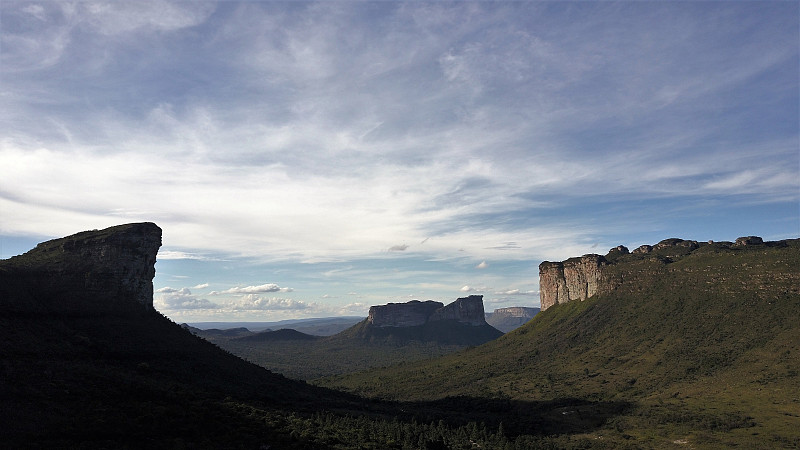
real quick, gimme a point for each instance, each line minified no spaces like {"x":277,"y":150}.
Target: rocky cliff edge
{"x":466,"y":310}
{"x":582,"y":277}
{"x":92,"y":271}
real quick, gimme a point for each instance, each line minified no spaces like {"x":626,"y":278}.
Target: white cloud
{"x":482,"y":265}
{"x":312,"y":133}
{"x":174,"y":254}
{"x":262,"y":288}
{"x":201,"y":286}
{"x":257,"y":302}
{"x":171,"y":299}
{"x":111,"y":18}
{"x":468,"y":288}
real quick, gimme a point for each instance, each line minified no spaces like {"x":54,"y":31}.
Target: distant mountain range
{"x":322,"y":326}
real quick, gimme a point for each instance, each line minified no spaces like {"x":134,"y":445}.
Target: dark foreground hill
{"x":86,"y":362}
{"x":703,"y":341}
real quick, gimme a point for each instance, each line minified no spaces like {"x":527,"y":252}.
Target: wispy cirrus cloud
{"x":324,"y":132}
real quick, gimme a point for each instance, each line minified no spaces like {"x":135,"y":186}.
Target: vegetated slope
{"x":707,"y":345}
{"x":86,"y":362}
{"x":360,"y":347}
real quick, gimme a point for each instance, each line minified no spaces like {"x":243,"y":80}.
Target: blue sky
{"x":313,"y":159}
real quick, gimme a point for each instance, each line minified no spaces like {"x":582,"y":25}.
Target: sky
{"x":313,"y":159}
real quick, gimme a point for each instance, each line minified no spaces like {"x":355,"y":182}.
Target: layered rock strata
{"x":511,"y":318}
{"x":573,"y":279}
{"x":407,"y":314}
{"x":113,"y":267}
{"x":466,"y":310}
{"x":515,"y":312}
{"x":582,"y":277}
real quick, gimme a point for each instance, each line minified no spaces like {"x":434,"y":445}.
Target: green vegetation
{"x":705,"y":347}
{"x":695,"y":349}
{"x":358,"y":348}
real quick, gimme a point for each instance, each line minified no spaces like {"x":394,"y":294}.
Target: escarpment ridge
{"x":582,"y":277}
{"x":110,"y":269}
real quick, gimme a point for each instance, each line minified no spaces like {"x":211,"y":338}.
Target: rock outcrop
{"x":573,"y":279}
{"x":111,"y":269}
{"x":467,"y":310}
{"x":748,"y":240}
{"x":515,"y":311}
{"x":582,"y":277}
{"x":511,"y":318}
{"x":407,"y":314}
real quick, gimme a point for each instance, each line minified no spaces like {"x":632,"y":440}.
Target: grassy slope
{"x":707,"y":347}
{"x":107,"y":372}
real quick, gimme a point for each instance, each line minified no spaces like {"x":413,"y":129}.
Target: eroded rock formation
{"x":407,"y":314}
{"x":467,"y":310}
{"x":511,"y":318}
{"x":573,"y":279}
{"x":582,"y":277}
{"x":112,"y":269}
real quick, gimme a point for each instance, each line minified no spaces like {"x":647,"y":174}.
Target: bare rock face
{"x":116,"y":265}
{"x":511,"y":318}
{"x":516,"y":312}
{"x":582,"y":277}
{"x":467,"y":310}
{"x":748,"y":240}
{"x":573,"y":279}
{"x":408,"y":314}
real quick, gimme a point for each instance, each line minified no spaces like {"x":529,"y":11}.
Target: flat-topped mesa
{"x":467,"y":310}
{"x":574,"y":279}
{"x":515,"y":311}
{"x":408,"y":314}
{"x":114,"y":266}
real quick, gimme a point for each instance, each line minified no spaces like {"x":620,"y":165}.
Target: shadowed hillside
{"x":86,"y":362}
{"x":704,"y":342}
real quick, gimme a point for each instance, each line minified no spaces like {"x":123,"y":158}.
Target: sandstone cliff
{"x":511,"y":318}
{"x":516,"y":312}
{"x":573,"y":279}
{"x":408,"y":314}
{"x":109,"y":269}
{"x":582,"y":277}
{"x":466,"y":310}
